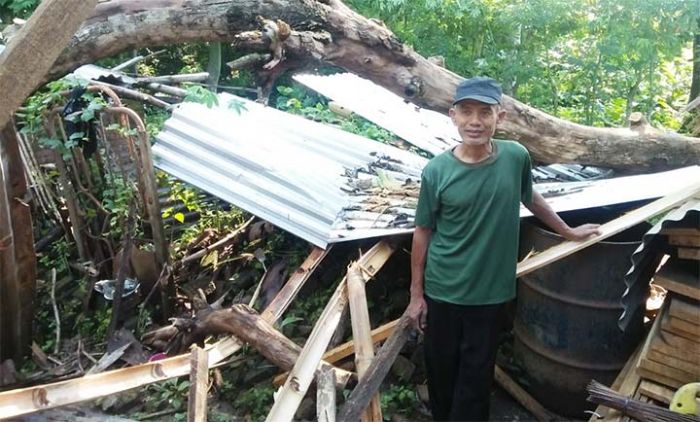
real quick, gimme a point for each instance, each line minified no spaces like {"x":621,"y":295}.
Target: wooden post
{"x":34,"y":49}
{"x":370,"y":383}
{"x":361,"y":333}
{"x":199,"y":386}
{"x":17,"y":258}
{"x":325,"y":396}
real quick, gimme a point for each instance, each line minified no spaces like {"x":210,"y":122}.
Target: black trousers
{"x":460,"y":355}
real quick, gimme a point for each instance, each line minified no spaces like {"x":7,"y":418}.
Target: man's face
{"x":476,"y":121}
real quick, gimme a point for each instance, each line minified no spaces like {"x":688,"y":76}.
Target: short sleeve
{"x":428,"y":202}
{"x":526,"y":180}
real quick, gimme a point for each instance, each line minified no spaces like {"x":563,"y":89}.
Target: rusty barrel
{"x":565,"y":325}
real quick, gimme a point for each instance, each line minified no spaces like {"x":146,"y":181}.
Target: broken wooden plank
{"x":686,"y":310}
{"x":325,"y":396}
{"x":368,"y":386}
{"x":689,"y":253}
{"x":108,"y":359}
{"x":522,"y":396}
{"x":361,"y":333}
{"x":301,"y":375}
{"x":682,"y":327}
{"x":659,"y":378}
{"x":680,"y":231}
{"x":347,"y":349}
{"x":674,"y":277}
{"x":689,"y":367}
{"x":665,"y":371}
{"x":199,"y":386}
{"x":607,"y":230}
{"x":34,"y":49}
{"x":691,"y":241}
{"x":290,"y":289}
{"x":686,"y":354}
{"x":656,"y":391}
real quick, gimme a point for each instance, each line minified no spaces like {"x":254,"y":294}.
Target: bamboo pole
{"x":361,"y":333}
{"x":347,"y":349}
{"x":199,"y":385}
{"x":325,"y":396}
{"x":301,"y":375}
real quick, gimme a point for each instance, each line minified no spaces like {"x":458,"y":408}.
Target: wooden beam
{"x":368,"y":386}
{"x":522,"y":396}
{"x":361,"y":333}
{"x":300,"y":378}
{"x":325,"y":396}
{"x":609,"y":229}
{"x":199,"y":386}
{"x":34,"y":49}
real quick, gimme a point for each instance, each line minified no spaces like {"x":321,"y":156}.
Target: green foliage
{"x":297,"y":100}
{"x":255,"y":402}
{"x":169,"y":394}
{"x":398,"y":399}
{"x":18,"y":8}
{"x":594,"y":63}
{"x":201,"y":95}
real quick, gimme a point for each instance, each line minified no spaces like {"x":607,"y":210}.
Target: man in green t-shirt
{"x":464,"y":253}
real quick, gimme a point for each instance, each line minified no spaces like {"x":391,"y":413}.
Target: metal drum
{"x":565,"y":325}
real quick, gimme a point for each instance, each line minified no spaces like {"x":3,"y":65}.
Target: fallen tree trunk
{"x":244,"y":323}
{"x":329,"y":31}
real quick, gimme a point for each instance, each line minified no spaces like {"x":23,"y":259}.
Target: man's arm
{"x":417,"y":308}
{"x":541,"y":209}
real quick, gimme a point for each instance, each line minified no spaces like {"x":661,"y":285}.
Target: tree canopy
{"x":592,"y":62}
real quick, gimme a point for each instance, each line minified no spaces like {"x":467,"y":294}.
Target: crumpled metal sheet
{"x":646,"y":259}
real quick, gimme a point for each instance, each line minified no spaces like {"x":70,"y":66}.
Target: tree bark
{"x":330,"y":32}
{"x":243,"y":322}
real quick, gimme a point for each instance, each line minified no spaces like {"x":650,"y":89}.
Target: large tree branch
{"x":331,"y":32}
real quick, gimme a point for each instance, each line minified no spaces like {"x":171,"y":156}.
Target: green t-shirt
{"x":473,"y":211}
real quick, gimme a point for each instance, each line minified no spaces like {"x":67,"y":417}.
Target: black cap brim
{"x":480,"y":98}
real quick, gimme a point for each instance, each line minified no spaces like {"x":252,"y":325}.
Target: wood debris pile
{"x":668,"y":359}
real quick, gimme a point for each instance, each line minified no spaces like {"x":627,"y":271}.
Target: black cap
{"x":480,"y":88}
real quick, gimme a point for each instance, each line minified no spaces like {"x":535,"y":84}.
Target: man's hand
{"x":582,"y":232}
{"x":418,"y":312}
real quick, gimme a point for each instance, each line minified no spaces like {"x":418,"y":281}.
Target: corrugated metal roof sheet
{"x":426,"y":129}
{"x":288,"y":170}
{"x":644,"y":261}
{"x":327,"y":185}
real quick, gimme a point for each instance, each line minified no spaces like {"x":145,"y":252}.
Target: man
{"x":465,"y":247}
